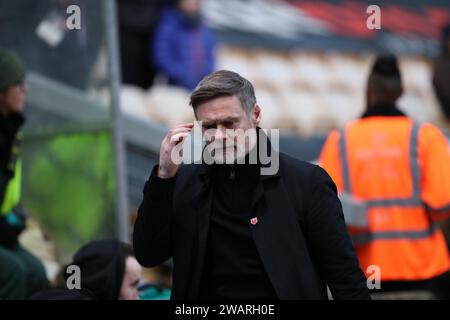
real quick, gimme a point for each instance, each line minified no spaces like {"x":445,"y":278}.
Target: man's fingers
{"x":178,"y":137}
{"x":178,"y":130}
{"x":173,"y":136}
{"x":184,"y":125}
{"x":173,"y":132}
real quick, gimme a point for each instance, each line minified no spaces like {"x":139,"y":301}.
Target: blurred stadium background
{"x":308,"y":60}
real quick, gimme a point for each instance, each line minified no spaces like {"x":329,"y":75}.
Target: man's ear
{"x":256,"y":115}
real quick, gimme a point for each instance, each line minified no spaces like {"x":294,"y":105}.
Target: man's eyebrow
{"x":207,"y":123}
{"x":227,"y":119}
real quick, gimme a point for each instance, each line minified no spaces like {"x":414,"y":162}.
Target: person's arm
{"x":151,"y":237}
{"x":10,"y":228}
{"x":11,"y":224}
{"x":152,"y":230}
{"x":330,"y":158}
{"x":330,"y":243}
{"x":9,"y":127}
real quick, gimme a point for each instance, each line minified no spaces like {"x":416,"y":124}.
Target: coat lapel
{"x":203,"y":195}
{"x":276,"y":235}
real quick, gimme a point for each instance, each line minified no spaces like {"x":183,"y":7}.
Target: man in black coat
{"x":244,"y":228}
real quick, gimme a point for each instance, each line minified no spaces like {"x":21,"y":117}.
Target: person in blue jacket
{"x":184,"y":45}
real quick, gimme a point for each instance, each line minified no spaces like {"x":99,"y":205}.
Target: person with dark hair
{"x":393,"y":176}
{"x":108,"y":270}
{"x":384,"y":86}
{"x":441,"y":74}
{"x":240,"y":227}
{"x":21,"y":273}
{"x":183,"y":45}
{"x":137,"y":23}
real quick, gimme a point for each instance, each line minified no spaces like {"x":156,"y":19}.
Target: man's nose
{"x":220,"y":133}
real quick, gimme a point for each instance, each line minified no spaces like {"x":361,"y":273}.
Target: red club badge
{"x":254,"y":221}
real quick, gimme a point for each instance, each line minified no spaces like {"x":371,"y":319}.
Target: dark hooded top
{"x":102,"y":266}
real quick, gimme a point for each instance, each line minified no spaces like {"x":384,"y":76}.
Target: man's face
{"x":190,"y":6}
{"x":12,"y":100}
{"x":224,"y":121}
{"x":131,"y":278}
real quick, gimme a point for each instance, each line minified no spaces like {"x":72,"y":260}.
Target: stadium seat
{"x":170,"y":105}
{"x":306,"y":110}
{"x":132,"y":101}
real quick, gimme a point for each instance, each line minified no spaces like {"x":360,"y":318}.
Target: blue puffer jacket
{"x":182,"y":52}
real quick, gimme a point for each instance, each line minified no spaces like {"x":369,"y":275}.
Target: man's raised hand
{"x":167,"y":168}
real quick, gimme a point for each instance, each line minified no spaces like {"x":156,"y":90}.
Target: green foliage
{"x":69,"y":186}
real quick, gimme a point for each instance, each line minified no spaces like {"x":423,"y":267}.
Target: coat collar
{"x":383,"y":111}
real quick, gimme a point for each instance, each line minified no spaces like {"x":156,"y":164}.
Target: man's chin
{"x":224,"y":160}
{"x":225,"y":156}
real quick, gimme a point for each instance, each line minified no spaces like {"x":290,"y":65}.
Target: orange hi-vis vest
{"x":399,"y":172}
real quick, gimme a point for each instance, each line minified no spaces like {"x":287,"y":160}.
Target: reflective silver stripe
{"x":409,"y":202}
{"x":415,"y":199}
{"x":345,"y":169}
{"x":356,"y":213}
{"x":364,"y":238}
{"x":414,"y":159}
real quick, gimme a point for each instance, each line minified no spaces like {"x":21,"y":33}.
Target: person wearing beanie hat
{"x":384,"y":86}
{"x":393,"y":177}
{"x":441,"y":74}
{"x":21,"y":274}
{"x":12,"y":70}
{"x":108,"y":269}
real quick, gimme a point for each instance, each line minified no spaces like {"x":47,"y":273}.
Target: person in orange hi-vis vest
{"x":393,"y":177}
